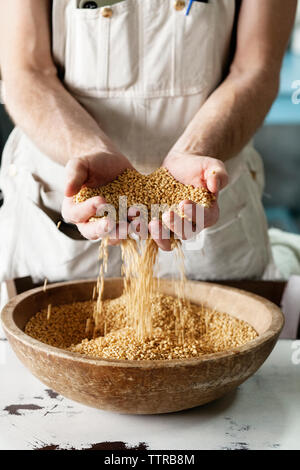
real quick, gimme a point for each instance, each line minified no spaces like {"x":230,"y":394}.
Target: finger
{"x":77,"y":213}
{"x":216,"y":179}
{"x":194,"y":213}
{"x":76,"y":176}
{"x":139,"y":226}
{"x":137,"y":211}
{"x":179,"y":225}
{"x":114,"y":242}
{"x":211,"y":215}
{"x":119,"y":233}
{"x":133,"y":212}
{"x":188,"y":209}
{"x":160,"y":235}
{"x":201,"y":217}
{"x":98,"y":229}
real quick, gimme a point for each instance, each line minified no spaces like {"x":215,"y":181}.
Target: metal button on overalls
{"x":179,"y":5}
{"x":106,"y":12}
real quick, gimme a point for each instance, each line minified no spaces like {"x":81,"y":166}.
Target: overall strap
{"x":59,"y":32}
{"x":233,"y":42}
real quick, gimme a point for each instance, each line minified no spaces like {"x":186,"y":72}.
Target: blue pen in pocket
{"x":191,"y":3}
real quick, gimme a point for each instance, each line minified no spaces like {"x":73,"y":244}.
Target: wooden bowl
{"x":143,"y":387}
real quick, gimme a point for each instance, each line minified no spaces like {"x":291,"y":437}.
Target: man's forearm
{"x":230,"y":116}
{"x":40,"y":105}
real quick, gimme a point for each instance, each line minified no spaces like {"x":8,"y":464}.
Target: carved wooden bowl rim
{"x":13,"y":330}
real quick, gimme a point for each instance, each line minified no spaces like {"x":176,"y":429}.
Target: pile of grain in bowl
{"x":206,"y":331}
{"x":141,"y":324}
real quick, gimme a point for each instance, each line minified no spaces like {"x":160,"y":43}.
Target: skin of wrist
{"x":175,"y":155}
{"x":103,"y":152}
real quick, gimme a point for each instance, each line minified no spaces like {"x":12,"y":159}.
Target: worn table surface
{"x":264,"y":413}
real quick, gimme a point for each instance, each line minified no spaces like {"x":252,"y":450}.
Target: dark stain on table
{"x":51,"y":393}
{"x":237,"y":446}
{"x":117,"y":445}
{"x":14,"y":409}
{"x":234,"y":426}
{"x":51,"y":411}
{"x":49,"y":447}
{"x":106,"y":445}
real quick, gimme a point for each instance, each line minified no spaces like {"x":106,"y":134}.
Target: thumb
{"x":76,"y":176}
{"x":216,"y":179}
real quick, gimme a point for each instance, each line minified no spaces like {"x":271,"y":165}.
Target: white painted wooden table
{"x":264,"y":413}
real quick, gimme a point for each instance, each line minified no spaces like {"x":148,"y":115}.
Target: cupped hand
{"x":199,"y":171}
{"x":92,"y":171}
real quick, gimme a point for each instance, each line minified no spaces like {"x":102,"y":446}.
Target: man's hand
{"x":92,"y":171}
{"x":198,"y":171}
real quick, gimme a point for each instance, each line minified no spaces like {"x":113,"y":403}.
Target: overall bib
{"x":142,"y":71}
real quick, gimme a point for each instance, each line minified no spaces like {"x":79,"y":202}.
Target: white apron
{"x":142,"y":73}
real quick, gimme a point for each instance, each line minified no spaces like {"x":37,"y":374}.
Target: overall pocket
{"x":176,"y":47}
{"x":101,"y":48}
{"x":143,"y":47}
{"x":193,"y":44}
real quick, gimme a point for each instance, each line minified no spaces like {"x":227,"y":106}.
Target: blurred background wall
{"x":278,"y":141}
